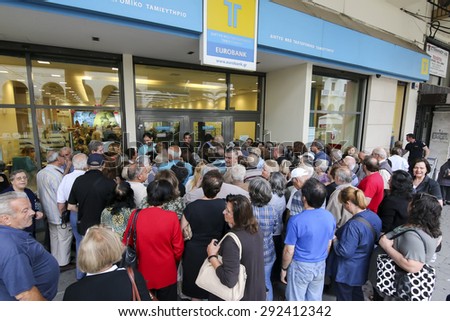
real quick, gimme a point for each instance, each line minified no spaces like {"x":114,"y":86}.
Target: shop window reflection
{"x":60,"y":84}
{"x":335,"y":110}
{"x":17,"y":148}
{"x":13,"y":75}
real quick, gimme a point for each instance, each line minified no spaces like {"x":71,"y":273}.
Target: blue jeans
{"x":267,"y":275}
{"x":78,"y":238}
{"x":305,"y":281}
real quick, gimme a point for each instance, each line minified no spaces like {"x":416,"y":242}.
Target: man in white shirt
{"x":397,"y":161}
{"x":137,"y":175}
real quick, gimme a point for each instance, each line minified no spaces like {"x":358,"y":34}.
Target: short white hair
{"x":238,"y":172}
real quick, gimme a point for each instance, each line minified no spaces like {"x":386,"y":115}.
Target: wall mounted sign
{"x":229,"y":36}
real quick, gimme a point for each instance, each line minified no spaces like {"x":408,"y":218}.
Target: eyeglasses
{"x":21,"y":178}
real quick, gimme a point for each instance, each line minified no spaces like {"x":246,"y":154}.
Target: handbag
{"x":187,"y":232}
{"x":129,"y":257}
{"x":395,"y":282}
{"x":208,"y":280}
{"x":134,"y":289}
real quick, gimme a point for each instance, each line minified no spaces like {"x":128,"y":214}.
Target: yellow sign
{"x":425,"y":66}
{"x":236,"y":17}
{"x":230,"y":33}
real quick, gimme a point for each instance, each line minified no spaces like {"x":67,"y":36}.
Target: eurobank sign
{"x":229,"y":36}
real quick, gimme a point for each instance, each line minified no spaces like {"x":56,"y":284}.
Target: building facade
{"x":71,"y":71}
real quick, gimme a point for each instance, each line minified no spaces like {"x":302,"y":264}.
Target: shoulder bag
{"x":134,"y":289}
{"x":208,"y":280}
{"x":395,"y":282}
{"x":130,"y":256}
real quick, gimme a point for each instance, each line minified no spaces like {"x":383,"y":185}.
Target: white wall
{"x":380,"y":113}
{"x":386,"y":15}
{"x":287,"y":103}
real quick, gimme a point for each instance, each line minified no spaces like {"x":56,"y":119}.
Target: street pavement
{"x":442,"y":265}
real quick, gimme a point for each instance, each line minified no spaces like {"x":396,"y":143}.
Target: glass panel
{"x":335,"y":110}
{"x":17,"y":148}
{"x":60,"y":84}
{"x":244,"y":130}
{"x":13,"y":81}
{"x":166,"y":131}
{"x":76,"y":128}
{"x":214,"y":128}
{"x":170,"y":88}
{"x":244,"y":93}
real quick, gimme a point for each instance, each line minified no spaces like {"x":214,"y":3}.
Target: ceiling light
{"x":43,"y":62}
{"x":21,"y":80}
{"x":63,"y":82}
{"x":86,"y":78}
{"x":221,"y":79}
{"x":3,"y":72}
{"x":56,"y":75}
{"x":114,"y":68}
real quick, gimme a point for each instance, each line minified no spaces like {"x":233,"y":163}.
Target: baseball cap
{"x":95,"y":160}
{"x":298,"y":172}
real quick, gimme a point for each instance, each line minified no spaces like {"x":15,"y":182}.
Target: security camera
{"x":378,"y":75}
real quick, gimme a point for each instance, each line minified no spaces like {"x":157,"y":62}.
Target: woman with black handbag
{"x":411,"y":246}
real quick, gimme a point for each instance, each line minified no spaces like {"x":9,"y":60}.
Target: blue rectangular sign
{"x":306,"y":35}
{"x":185,"y":14}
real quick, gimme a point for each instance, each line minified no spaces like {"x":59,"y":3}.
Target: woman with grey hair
{"x":19,"y":183}
{"x":99,"y":251}
{"x":268,"y":220}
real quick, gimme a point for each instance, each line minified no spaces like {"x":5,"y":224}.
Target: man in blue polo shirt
{"x":308,"y":240}
{"x":27,"y":271}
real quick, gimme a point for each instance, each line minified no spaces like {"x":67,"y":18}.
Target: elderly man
{"x":137,"y":175}
{"x":318,"y":149}
{"x":299,"y":176}
{"x":397,"y":161}
{"x":174,"y":154}
{"x":80,"y":165}
{"x":343,"y":179}
{"x":372,"y":185}
{"x":237,"y":173}
{"x":350,"y":161}
{"x":385,"y":169}
{"x":231,"y":159}
{"x":48,"y":180}
{"x":67,"y":153}
{"x":90,"y":194}
{"x":28,"y":272}
{"x":308,"y":240}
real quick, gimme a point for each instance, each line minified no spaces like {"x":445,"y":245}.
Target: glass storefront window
{"x":13,"y":81}
{"x":201,"y":128}
{"x":165,"y":131}
{"x":17,"y":148}
{"x":66,"y":84}
{"x":170,"y":88}
{"x":244,"y":130}
{"x":335,"y":109}
{"x":244,"y":92}
{"x":76,"y":128}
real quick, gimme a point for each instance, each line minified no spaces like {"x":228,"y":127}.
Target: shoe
{"x":67,"y":267}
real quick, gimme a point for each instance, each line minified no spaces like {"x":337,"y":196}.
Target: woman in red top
{"x":159,"y":242}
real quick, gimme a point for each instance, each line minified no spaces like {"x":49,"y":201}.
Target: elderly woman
{"x":416,"y":246}
{"x":205,"y":218}
{"x":269,"y":167}
{"x":422,"y":183}
{"x":268,"y":220}
{"x":159,"y":242}
{"x":19,"y":183}
{"x":99,"y":250}
{"x":239,"y":216}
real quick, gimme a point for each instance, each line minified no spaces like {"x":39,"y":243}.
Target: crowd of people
{"x":306,"y":218}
